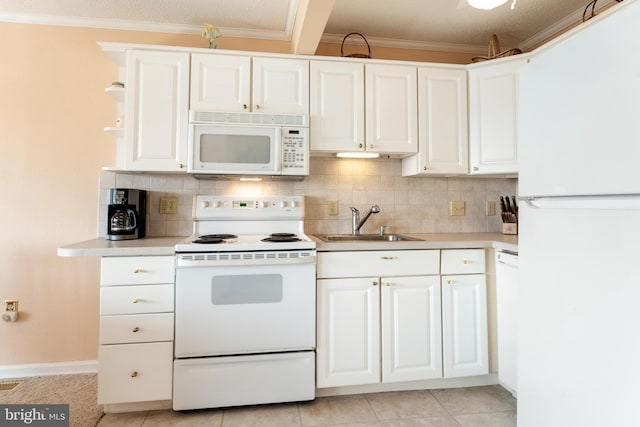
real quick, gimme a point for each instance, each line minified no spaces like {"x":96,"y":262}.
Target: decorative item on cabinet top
{"x":355,"y":55}
{"x":494,"y":51}
{"x":211,"y":32}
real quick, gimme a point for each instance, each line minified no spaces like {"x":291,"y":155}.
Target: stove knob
{"x":264,"y":204}
{"x":284,"y":204}
{"x":295,"y":204}
{"x":217,"y":204}
{"x":206,"y":204}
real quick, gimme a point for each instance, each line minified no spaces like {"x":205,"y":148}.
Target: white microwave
{"x":275,"y":145}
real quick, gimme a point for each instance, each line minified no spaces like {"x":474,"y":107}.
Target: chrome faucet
{"x":356,"y":224}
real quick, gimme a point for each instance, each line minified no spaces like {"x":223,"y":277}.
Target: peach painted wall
{"x":52,"y":111}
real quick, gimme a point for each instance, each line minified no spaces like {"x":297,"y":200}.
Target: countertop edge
{"x":158,"y":246}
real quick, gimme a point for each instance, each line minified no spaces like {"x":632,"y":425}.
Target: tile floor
{"x":489,"y":406}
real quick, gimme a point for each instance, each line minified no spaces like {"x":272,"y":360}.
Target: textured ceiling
{"x":428,"y":24}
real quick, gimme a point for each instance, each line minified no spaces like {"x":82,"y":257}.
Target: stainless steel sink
{"x":365,"y":237}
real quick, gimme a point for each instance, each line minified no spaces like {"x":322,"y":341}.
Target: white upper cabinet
{"x":281,"y":85}
{"x":241,"y":83}
{"x":493,"y":116}
{"x":156,"y":111}
{"x":347,"y":95}
{"x":336,"y":111}
{"x":442,"y":124}
{"x":220,"y":82}
{"x":391,"y":109}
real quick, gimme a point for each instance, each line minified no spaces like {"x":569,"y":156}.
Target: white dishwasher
{"x":507,"y":308}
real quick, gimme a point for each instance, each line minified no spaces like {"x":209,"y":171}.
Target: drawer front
{"x":135,"y":372}
{"x":463,"y":261}
{"x":136,"y":328}
{"x":378,"y":263}
{"x":138,"y":270}
{"x":136,"y":299}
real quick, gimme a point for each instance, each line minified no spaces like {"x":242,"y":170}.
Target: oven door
{"x":224,"y":310}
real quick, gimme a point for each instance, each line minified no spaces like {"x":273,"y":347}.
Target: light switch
{"x":333,"y":207}
{"x":490,"y":208}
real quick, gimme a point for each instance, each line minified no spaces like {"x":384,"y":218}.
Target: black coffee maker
{"x":126,"y":211}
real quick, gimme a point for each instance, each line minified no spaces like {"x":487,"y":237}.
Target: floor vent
{"x":9,"y":385}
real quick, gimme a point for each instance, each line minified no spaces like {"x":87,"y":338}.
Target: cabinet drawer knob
{"x":137,"y":270}
{"x":136,"y":300}
{"x":136,"y":329}
{"x":388,"y":257}
{"x":466,"y":261}
{"x":134,"y":374}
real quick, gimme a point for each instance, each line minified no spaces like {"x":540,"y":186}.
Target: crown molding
{"x":562,"y":25}
{"x":410,"y":44}
{"x":155,"y":27}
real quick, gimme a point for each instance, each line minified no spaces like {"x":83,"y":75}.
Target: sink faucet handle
{"x":383,"y":228}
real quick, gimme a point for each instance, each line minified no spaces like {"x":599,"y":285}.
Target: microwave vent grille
{"x":249,"y":118}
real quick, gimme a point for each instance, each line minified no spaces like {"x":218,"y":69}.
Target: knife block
{"x":509,"y":228}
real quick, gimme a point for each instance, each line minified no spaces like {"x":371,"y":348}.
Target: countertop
{"x":140,"y":247}
{"x":150,"y":246}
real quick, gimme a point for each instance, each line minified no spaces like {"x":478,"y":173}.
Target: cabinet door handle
{"x":257,"y":106}
{"x":359,"y":145}
{"x":388,"y":257}
{"x":375,"y":283}
{"x":244,"y":106}
{"x":389,"y":284}
{"x":371,"y":146}
{"x":475,"y":168}
{"x":450,"y":282}
{"x":134,"y":374}
{"x":136,"y":329}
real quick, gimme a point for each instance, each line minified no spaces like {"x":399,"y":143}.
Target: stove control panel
{"x":241,"y":207}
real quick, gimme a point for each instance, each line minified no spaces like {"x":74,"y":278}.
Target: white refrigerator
{"x":579,"y":242}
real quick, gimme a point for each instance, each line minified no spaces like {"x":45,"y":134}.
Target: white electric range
{"x":245,"y":304}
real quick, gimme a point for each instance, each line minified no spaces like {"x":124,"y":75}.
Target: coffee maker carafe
{"x":126,"y":210}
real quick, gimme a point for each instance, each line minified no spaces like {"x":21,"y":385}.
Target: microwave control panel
{"x":295,"y":151}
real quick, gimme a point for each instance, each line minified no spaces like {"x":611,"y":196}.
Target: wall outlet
{"x":333,"y":207}
{"x":490,"y":208}
{"x":11,"y":305}
{"x":456,"y":208}
{"x":168,"y":205}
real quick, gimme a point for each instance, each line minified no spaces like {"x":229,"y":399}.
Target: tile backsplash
{"x":407,"y":204}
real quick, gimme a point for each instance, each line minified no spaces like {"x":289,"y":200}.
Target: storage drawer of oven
{"x":136,"y":328}
{"x":463,"y":261}
{"x":136,"y":299}
{"x":135,"y":372}
{"x":137,"y":270}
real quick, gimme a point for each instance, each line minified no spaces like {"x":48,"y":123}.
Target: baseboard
{"x":43,"y":369}
{"x":480,"y":380}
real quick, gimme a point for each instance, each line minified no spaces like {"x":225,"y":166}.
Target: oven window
{"x":246,"y":289}
{"x":253,"y":149}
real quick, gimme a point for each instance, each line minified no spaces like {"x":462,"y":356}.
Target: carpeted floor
{"x":79,"y":391}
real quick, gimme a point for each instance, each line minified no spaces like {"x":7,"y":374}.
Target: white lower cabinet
{"x":135,"y":359}
{"x":464,"y":326}
{"x":410,"y":324}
